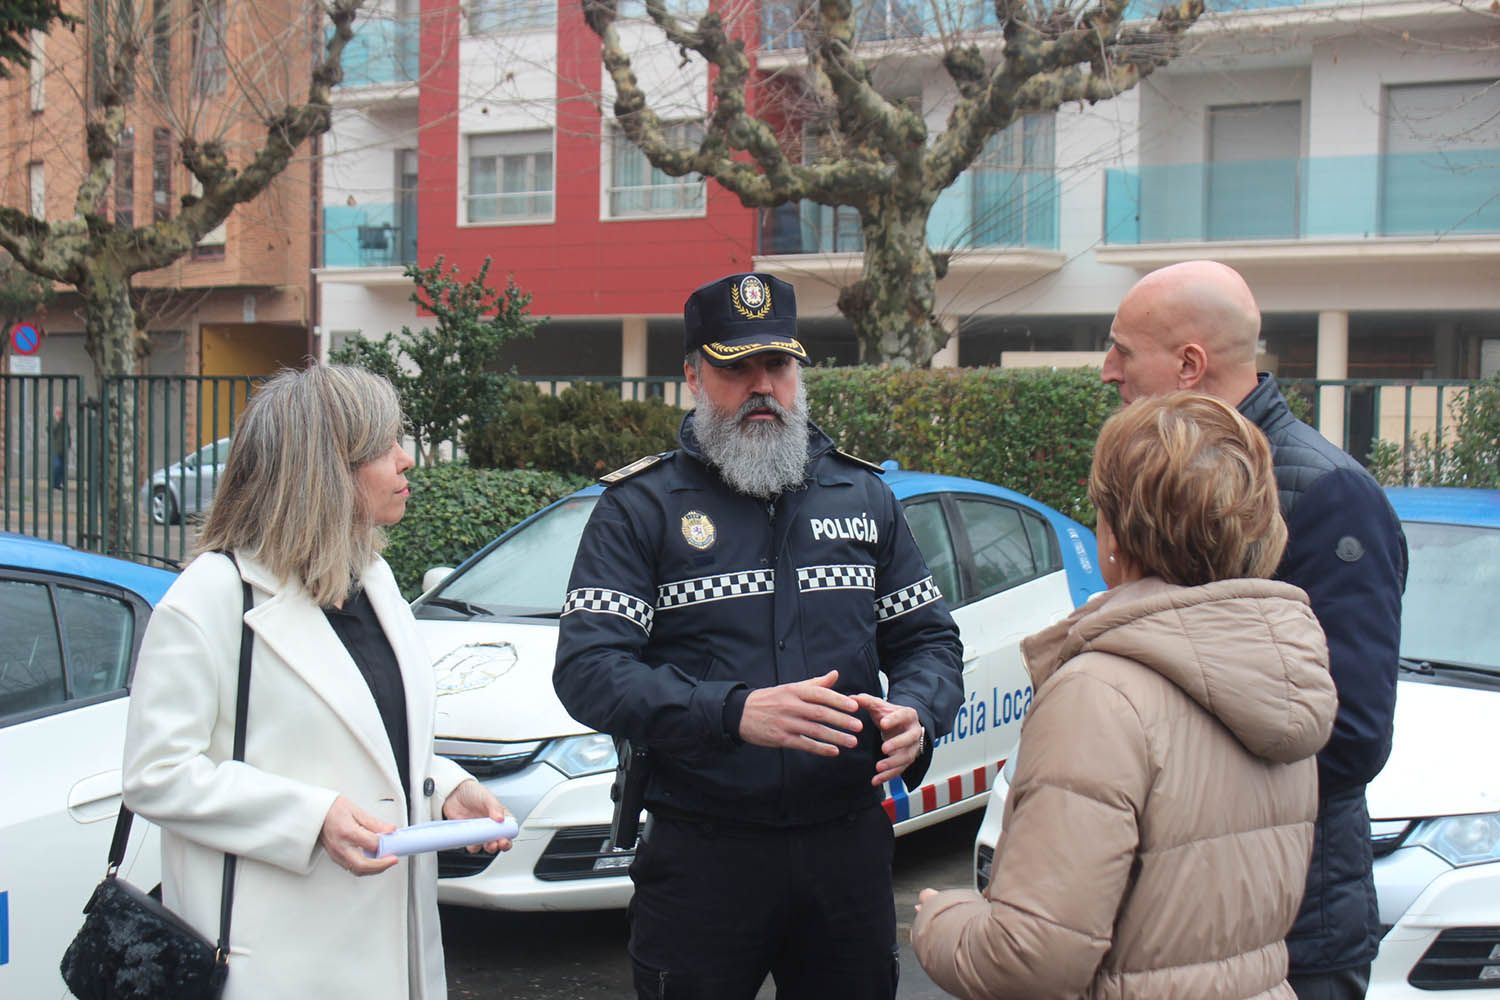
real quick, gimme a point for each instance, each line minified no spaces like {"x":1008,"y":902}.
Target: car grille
{"x":485,"y":767}
{"x":575,"y":852}
{"x":458,"y":863}
{"x":984,"y":866}
{"x":1462,"y":958}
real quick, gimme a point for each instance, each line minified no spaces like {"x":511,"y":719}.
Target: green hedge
{"x":455,"y":509}
{"x":587,"y":431}
{"x":1030,"y":430}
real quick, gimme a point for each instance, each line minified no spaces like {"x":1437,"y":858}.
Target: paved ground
{"x":581,"y":956}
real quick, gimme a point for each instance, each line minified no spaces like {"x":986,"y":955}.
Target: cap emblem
{"x":750,"y":297}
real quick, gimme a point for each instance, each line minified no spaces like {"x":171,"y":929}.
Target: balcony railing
{"x":382,"y":52}
{"x":887,"y":20}
{"x":369,"y":235}
{"x":989,"y":208}
{"x":1335,"y":197}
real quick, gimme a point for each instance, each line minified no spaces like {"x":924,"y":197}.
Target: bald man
{"x":1196,"y":326}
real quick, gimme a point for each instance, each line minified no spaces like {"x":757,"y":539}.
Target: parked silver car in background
{"x":185,"y":487}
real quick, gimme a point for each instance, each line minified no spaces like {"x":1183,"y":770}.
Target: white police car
{"x":1435,"y":807}
{"x":1007,"y":564}
{"x":70,"y":625}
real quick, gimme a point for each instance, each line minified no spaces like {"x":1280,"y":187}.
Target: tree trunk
{"x":115,"y":344}
{"x":890,"y":307}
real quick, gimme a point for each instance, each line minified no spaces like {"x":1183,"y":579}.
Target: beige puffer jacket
{"x":1158,"y":831}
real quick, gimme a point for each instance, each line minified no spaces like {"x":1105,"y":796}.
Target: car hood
{"x":1442,"y":761}
{"x":494,"y":680}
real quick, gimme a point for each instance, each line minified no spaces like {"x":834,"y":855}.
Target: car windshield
{"x":1452,"y":588}
{"x":527,"y":574}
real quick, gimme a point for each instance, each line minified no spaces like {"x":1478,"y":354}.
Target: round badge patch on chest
{"x":698,"y":530}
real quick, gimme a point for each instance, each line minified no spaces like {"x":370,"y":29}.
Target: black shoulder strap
{"x":241,"y":710}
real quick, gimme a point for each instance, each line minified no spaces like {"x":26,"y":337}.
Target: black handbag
{"x":131,"y":947}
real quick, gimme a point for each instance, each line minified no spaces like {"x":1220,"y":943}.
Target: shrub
{"x":455,"y":509}
{"x":1030,"y":430}
{"x":1472,"y":459}
{"x":587,"y":430}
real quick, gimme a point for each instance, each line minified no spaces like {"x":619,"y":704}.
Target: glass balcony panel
{"x":383,"y":51}
{"x":369,"y":235}
{"x":1340,"y":197}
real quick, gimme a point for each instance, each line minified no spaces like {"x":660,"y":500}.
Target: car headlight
{"x":577,"y":756}
{"x":1461,"y":840}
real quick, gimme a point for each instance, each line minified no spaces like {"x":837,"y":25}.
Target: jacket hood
{"x":1248,"y":651}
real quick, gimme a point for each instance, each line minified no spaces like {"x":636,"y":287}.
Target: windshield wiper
{"x":454,"y":604}
{"x":1430,"y":667}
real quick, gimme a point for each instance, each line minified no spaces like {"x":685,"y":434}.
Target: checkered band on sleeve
{"x":610,"y":602}
{"x":851,"y":577}
{"x":906,"y":599}
{"x":747,"y":583}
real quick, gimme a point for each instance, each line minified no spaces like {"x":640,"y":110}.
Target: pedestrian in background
{"x":1195,"y":325}
{"x":1157,"y":833}
{"x":714,"y":617}
{"x":59,"y":437}
{"x":340,"y":720}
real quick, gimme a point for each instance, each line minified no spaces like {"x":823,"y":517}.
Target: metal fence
{"x":128,"y":472}
{"x":131,"y":471}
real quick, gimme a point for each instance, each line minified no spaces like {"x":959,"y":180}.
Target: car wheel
{"x":163,"y":506}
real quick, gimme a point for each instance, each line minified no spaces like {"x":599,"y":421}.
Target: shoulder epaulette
{"x":879,"y":470}
{"x":638,"y":466}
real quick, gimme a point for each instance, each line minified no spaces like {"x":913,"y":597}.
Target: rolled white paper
{"x":443,"y":834}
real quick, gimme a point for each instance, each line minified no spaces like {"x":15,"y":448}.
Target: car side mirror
{"x":435,"y":576}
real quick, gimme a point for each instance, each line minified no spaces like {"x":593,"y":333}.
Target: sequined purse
{"x":131,"y":947}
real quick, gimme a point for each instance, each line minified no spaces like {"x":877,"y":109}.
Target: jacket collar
{"x":1266,"y":407}
{"x":291,"y":625}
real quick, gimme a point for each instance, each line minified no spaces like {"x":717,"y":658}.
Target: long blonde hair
{"x":289,"y":497}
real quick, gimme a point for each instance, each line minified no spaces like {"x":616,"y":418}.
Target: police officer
{"x":732,"y":606}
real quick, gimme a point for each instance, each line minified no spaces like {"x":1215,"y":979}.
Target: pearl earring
{"x":1111,"y":558}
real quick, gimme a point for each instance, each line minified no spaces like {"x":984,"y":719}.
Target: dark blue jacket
{"x":1345,"y":548}
{"x":687,"y":595}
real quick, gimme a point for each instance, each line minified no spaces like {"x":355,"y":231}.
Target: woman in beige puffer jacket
{"x":1157,"y":834}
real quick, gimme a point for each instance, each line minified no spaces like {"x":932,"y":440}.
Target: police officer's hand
{"x":808,"y":715}
{"x":901,"y":728}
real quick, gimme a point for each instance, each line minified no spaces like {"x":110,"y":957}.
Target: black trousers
{"x":717,"y":908}
{"x":1345,"y":984}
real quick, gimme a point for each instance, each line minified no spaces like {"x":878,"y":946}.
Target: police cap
{"x":741,"y":315}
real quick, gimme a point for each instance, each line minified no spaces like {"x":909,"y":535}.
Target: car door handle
{"x":94,"y":798}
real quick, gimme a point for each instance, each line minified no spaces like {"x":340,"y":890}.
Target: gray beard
{"x":760,"y":459}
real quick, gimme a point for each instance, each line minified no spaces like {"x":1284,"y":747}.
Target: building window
{"x":1015,"y":186}
{"x":125,"y":179}
{"x":36,"y":185}
{"x":638,"y":188}
{"x":161,"y":46}
{"x":510,"y":176}
{"x":693,"y":9}
{"x":1437,"y":175}
{"x":210,"y":61}
{"x":161,"y":174}
{"x":38,"y":70}
{"x":488,"y":17}
{"x":1254,"y":153}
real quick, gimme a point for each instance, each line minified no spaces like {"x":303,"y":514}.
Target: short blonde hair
{"x":289,"y":497}
{"x":1187,"y":486}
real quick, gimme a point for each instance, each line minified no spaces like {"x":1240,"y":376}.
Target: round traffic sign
{"x":25,"y":338}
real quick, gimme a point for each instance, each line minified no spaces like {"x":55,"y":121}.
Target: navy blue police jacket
{"x":687,"y":595}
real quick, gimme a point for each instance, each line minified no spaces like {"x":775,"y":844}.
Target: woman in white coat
{"x":340,"y":719}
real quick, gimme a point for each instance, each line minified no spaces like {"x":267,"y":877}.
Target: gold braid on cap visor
{"x":724,"y":352}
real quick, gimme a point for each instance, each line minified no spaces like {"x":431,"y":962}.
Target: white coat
{"x":301,"y":926}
